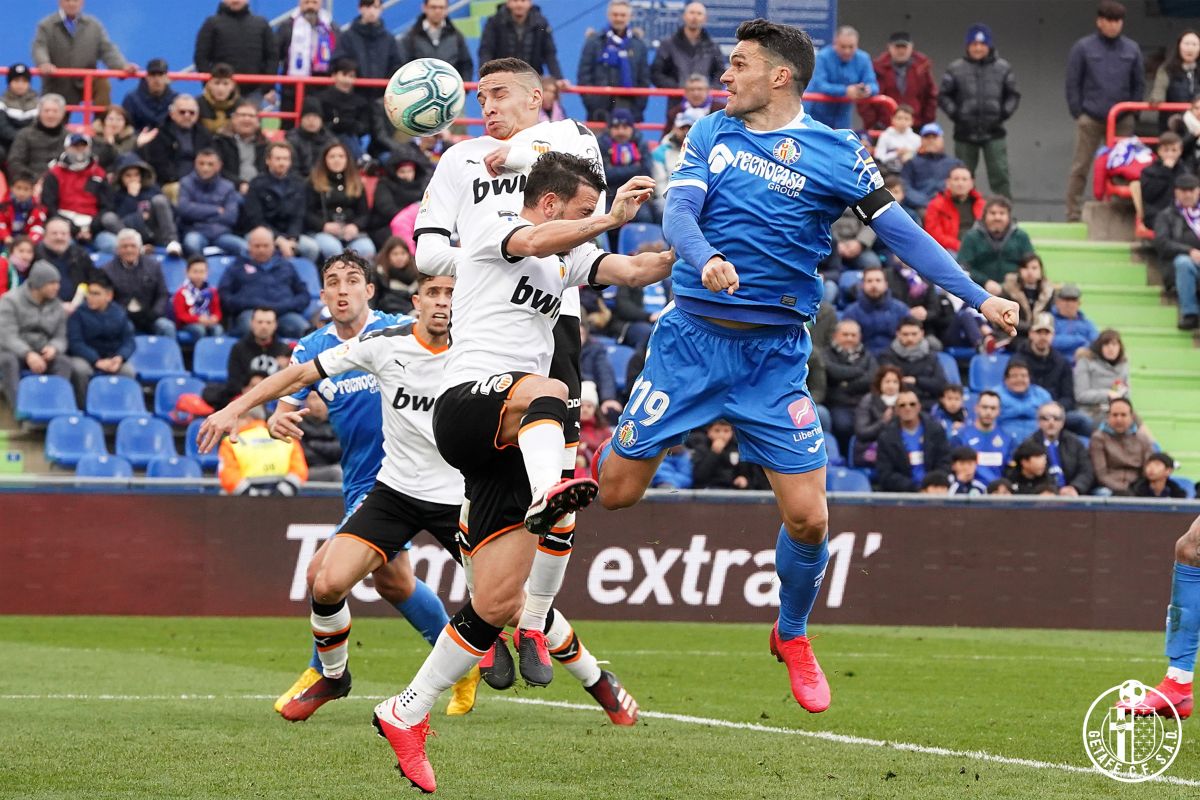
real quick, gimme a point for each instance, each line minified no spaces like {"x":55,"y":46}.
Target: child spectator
{"x":15,"y":267}
{"x":1156,"y":479}
{"x":936,"y":482}
{"x":899,"y":142}
{"x":963,"y":463}
{"x":347,"y":114}
{"x":552,"y":110}
{"x":717,"y":463}
{"x":1153,"y":190}
{"x":1101,"y":374}
{"x":21,"y":214}
{"x":138,"y":203}
{"x":954,"y":210}
{"x":950,"y":411}
{"x":196,"y":305}
{"x":1000,"y":486}
{"x":895,"y":185}
{"x":18,"y":106}
{"x":336,"y":215}
{"x":218,"y":99}
{"x":1029,"y":473}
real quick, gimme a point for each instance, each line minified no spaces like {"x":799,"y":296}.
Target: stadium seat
{"x":848,"y":281}
{"x":166,"y":393}
{"x":619,"y":356}
{"x":41,"y":398}
{"x":143,"y":439}
{"x":308,"y":273}
{"x":844,"y":479}
{"x":1188,"y":484}
{"x":112,"y":398}
{"x":210,"y":360}
{"x":174,"y":467}
{"x":103,"y":466}
{"x":100,"y":259}
{"x":987,"y":371}
{"x":635,"y":234}
{"x":216,"y":268}
{"x":71,"y":437}
{"x":833,"y":452}
{"x":949,"y":367}
{"x":156,"y":357}
{"x":174,"y":271}
{"x":208,"y":461}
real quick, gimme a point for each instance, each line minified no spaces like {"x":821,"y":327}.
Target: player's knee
{"x":553,"y":388}
{"x":497,"y":609}
{"x":617,"y":494}
{"x":1187,"y":547}
{"x":807,"y":525}
{"x":327,"y":590}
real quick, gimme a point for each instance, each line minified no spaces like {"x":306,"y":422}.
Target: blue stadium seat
{"x":174,"y":271}
{"x":1188,"y":484}
{"x":174,"y":467}
{"x":112,"y":398}
{"x":103,"y":466}
{"x":833,"y":452}
{"x":848,"y":281}
{"x":987,"y":372}
{"x":619,"y":356}
{"x":143,"y":439}
{"x":210,"y":360}
{"x":100,"y":259}
{"x":41,"y":398}
{"x":156,"y":357}
{"x":844,"y":479}
{"x":308,"y":273}
{"x":949,"y":367}
{"x":71,"y":437}
{"x":635,"y":234}
{"x":208,"y":461}
{"x":217,"y":266}
{"x":167,"y":392}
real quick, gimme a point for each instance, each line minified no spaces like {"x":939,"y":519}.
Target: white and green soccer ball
{"x":424,"y":97}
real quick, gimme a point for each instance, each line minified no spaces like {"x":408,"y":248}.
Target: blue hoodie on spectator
{"x":93,"y":335}
{"x":275,"y":284}
{"x":878,"y":319}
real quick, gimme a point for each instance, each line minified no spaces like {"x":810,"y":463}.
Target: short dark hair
{"x":935,"y":478}
{"x":963,"y":453}
{"x":207,"y":151}
{"x":1000,"y":483}
{"x":281,"y":145}
{"x":1029,"y":449}
{"x":197,"y":258}
{"x":1016,"y":363}
{"x":561,"y":173}
{"x":998,"y":200}
{"x":892,"y":180}
{"x":348,"y":258}
{"x":791,"y":44}
{"x":1124,"y":400}
{"x":344,"y":64}
{"x":1111,"y":10}
{"x":952,"y":387}
{"x":873,"y":268}
{"x":100,"y":278}
{"x":266,"y":309}
{"x":513,"y":65}
{"x":220,"y":70}
{"x":988,"y":393}
{"x":23,"y":176}
{"x":1168,"y":137}
{"x":910,"y":322}
{"x":1163,"y":458}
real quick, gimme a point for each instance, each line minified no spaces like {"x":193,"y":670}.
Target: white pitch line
{"x":827,"y":736}
{"x":895,"y":657}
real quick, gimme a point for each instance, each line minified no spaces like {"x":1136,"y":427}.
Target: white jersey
{"x":409,"y":374}
{"x":505,"y":306}
{"x":461,"y":194}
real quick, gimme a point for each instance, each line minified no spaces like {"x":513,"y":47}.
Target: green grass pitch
{"x":181,"y":708}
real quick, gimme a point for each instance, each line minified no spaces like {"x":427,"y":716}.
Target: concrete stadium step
{"x":1072,"y":248}
{"x":1164,"y":358}
{"x":1154,"y":378}
{"x":1118,"y":316}
{"x":1097,"y":273}
{"x":1172,"y":401}
{"x":1108,"y":291}
{"x":1075,"y":231}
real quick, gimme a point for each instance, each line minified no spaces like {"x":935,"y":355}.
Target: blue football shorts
{"x":698,"y":371}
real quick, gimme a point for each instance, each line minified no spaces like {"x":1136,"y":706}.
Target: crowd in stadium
{"x":184,"y":217}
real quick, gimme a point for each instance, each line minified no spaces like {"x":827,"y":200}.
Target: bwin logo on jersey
{"x":403,"y":399}
{"x":497,"y":186}
{"x":542,"y":302}
{"x":720,"y":158}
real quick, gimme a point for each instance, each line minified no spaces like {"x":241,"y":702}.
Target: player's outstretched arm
{"x":637,"y":271}
{"x":435,"y":255}
{"x":286,"y":381}
{"x":559,"y":236}
{"x":918,"y":249}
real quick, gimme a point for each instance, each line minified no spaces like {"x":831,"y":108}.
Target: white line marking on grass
{"x":842,"y":738}
{"x":895,"y":657}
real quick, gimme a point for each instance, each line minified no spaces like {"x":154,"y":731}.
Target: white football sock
{"x":1180,"y":675}
{"x":542,"y":444}
{"x":445,"y":664}
{"x":545,"y":579}
{"x":336,"y":630}
{"x":570,"y":651}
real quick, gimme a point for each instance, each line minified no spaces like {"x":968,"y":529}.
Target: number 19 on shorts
{"x":645,"y":397}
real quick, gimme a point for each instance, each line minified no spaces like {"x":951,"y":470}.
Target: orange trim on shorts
{"x":536,"y":423}
{"x":490,"y":537}
{"x":500,"y":424}
{"x":461,"y":642}
{"x":374,"y":547}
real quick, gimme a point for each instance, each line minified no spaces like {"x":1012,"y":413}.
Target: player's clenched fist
{"x":630,"y":198}
{"x":719,"y":275}
{"x":1001,"y":313}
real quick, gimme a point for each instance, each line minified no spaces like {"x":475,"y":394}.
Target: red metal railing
{"x":88,"y":108}
{"x":1112,"y":189}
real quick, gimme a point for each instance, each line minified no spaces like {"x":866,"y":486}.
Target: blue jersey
{"x":994,"y":449}
{"x":770,"y":199}
{"x":354,"y":409}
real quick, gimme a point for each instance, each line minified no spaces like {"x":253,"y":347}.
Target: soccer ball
{"x":424,"y":97}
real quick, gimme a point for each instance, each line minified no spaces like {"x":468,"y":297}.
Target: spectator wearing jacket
{"x":263,"y":279}
{"x":236,"y":37}
{"x":368,"y":42}
{"x":99,"y":334}
{"x":1156,"y":479}
{"x":70,"y":39}
{"x":1176,"y":80}
{"x":950,"y":412}
{"x":1103,"y":69}
{"x":275,"y":200}
{"x":1119,"y":448}
{"x":616,"y":57}
{"x":136,"y":202}
{"x":14,"y":267}
{"x":717,"y":463}
{"x":433,"y":35}
{"x":905,"y":75}
{"x":1020,"y":398}
{"x":196,"y":305}
{"x":594,"y":429}
{"x":76,"y":188}
{"x":113,"y":137}
{"x":172,"y":151}
{"x":18,"y":106}
{"x":848,"y":372}
{"x":147,"y":105}
{"x":401,"y":186}
{"x":519,"y":30}
{"x":875,"y":409}
{"x":689,"y":51}
{"x":1154,"y":189}
{"x":1052,"y":371}
{"x":218,"y":99}
{"x":876,"y":311}
{"x":594,"y":366}
{"x":954,"y":210}
{"x":37,"y":146}
{"x":911,"y":353}
{"x":139,"y":287}
{"x":994,"y":247}
{"x":1029,"y":288}
{"x":347,"y":115}
{"x":910,"y":446}
{"x":305,"y":43}
{"x":209,"y":206}
{"x":853,"y":244}
{"x":925,"y":174}
{"x":841,"y":70}
{"x":697,"y":99}
{"x":336,"y":215}
{"x":1177,"y":239}
{"x":979,"y":93}
{"x":33,"y":331}
{"x":1072,"y":329}
{"x":309,"y":138}
{"x":73,"y":263}
{"x":21,"y":214}
{"x":395,"y":278}
{"x":1101,"y":375}
{"x":243,"y":149}
{"x":1030,"y":471}
{"x":258,"y":353}
{"x":1067,"y":456}
{"x":625,"y":155}
{"x":926,"y":303}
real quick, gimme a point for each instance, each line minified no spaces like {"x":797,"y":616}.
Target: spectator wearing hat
{"x":593,"y":424}
{"x":994,"y":248}
{"x":905,"y":75}
{"x":139,"y":286}
{"x":616,"y":57}
{"x":236,"y":37}
{"x":979,"y":93}
{"x":1067,"y":456}
{"x":1072,"y":328}
{"x":275,"y":200}
{"x":305,"y":42}
{"x":1156,"y":479}
{"x":1020,"y":398}
{"x":37,"y":146}
{"x":73,"y":263}
{"x":33,"y":330}
{"x":137,"y":202}
{"x":625,"y":155}
{"x":925,"y":174}
{"x":1103,"y":69}
{"x":148,"y":104}
{"x":433,"y":35}
{"x":1052,"y":371}
{"x":1177,"y":239}
{"x":954,"y":210}
{"x":519,"y":30}
{"x":18,"y":106}
{"x":841,"y":70}
{"x":697,"y":96}
{"x":666,"y":156}
{"x":1030,"y":472}
{"x":347,"y":115}
{"x":99,"y":334}
{"x":689,"y":51}
{"x":1118,"y":449}
{"x":76,"y":188}
{"x":70,"y":39}
{"x":310,"y":138}
{"x":171,"y":152}
{"x":218,"y":99}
